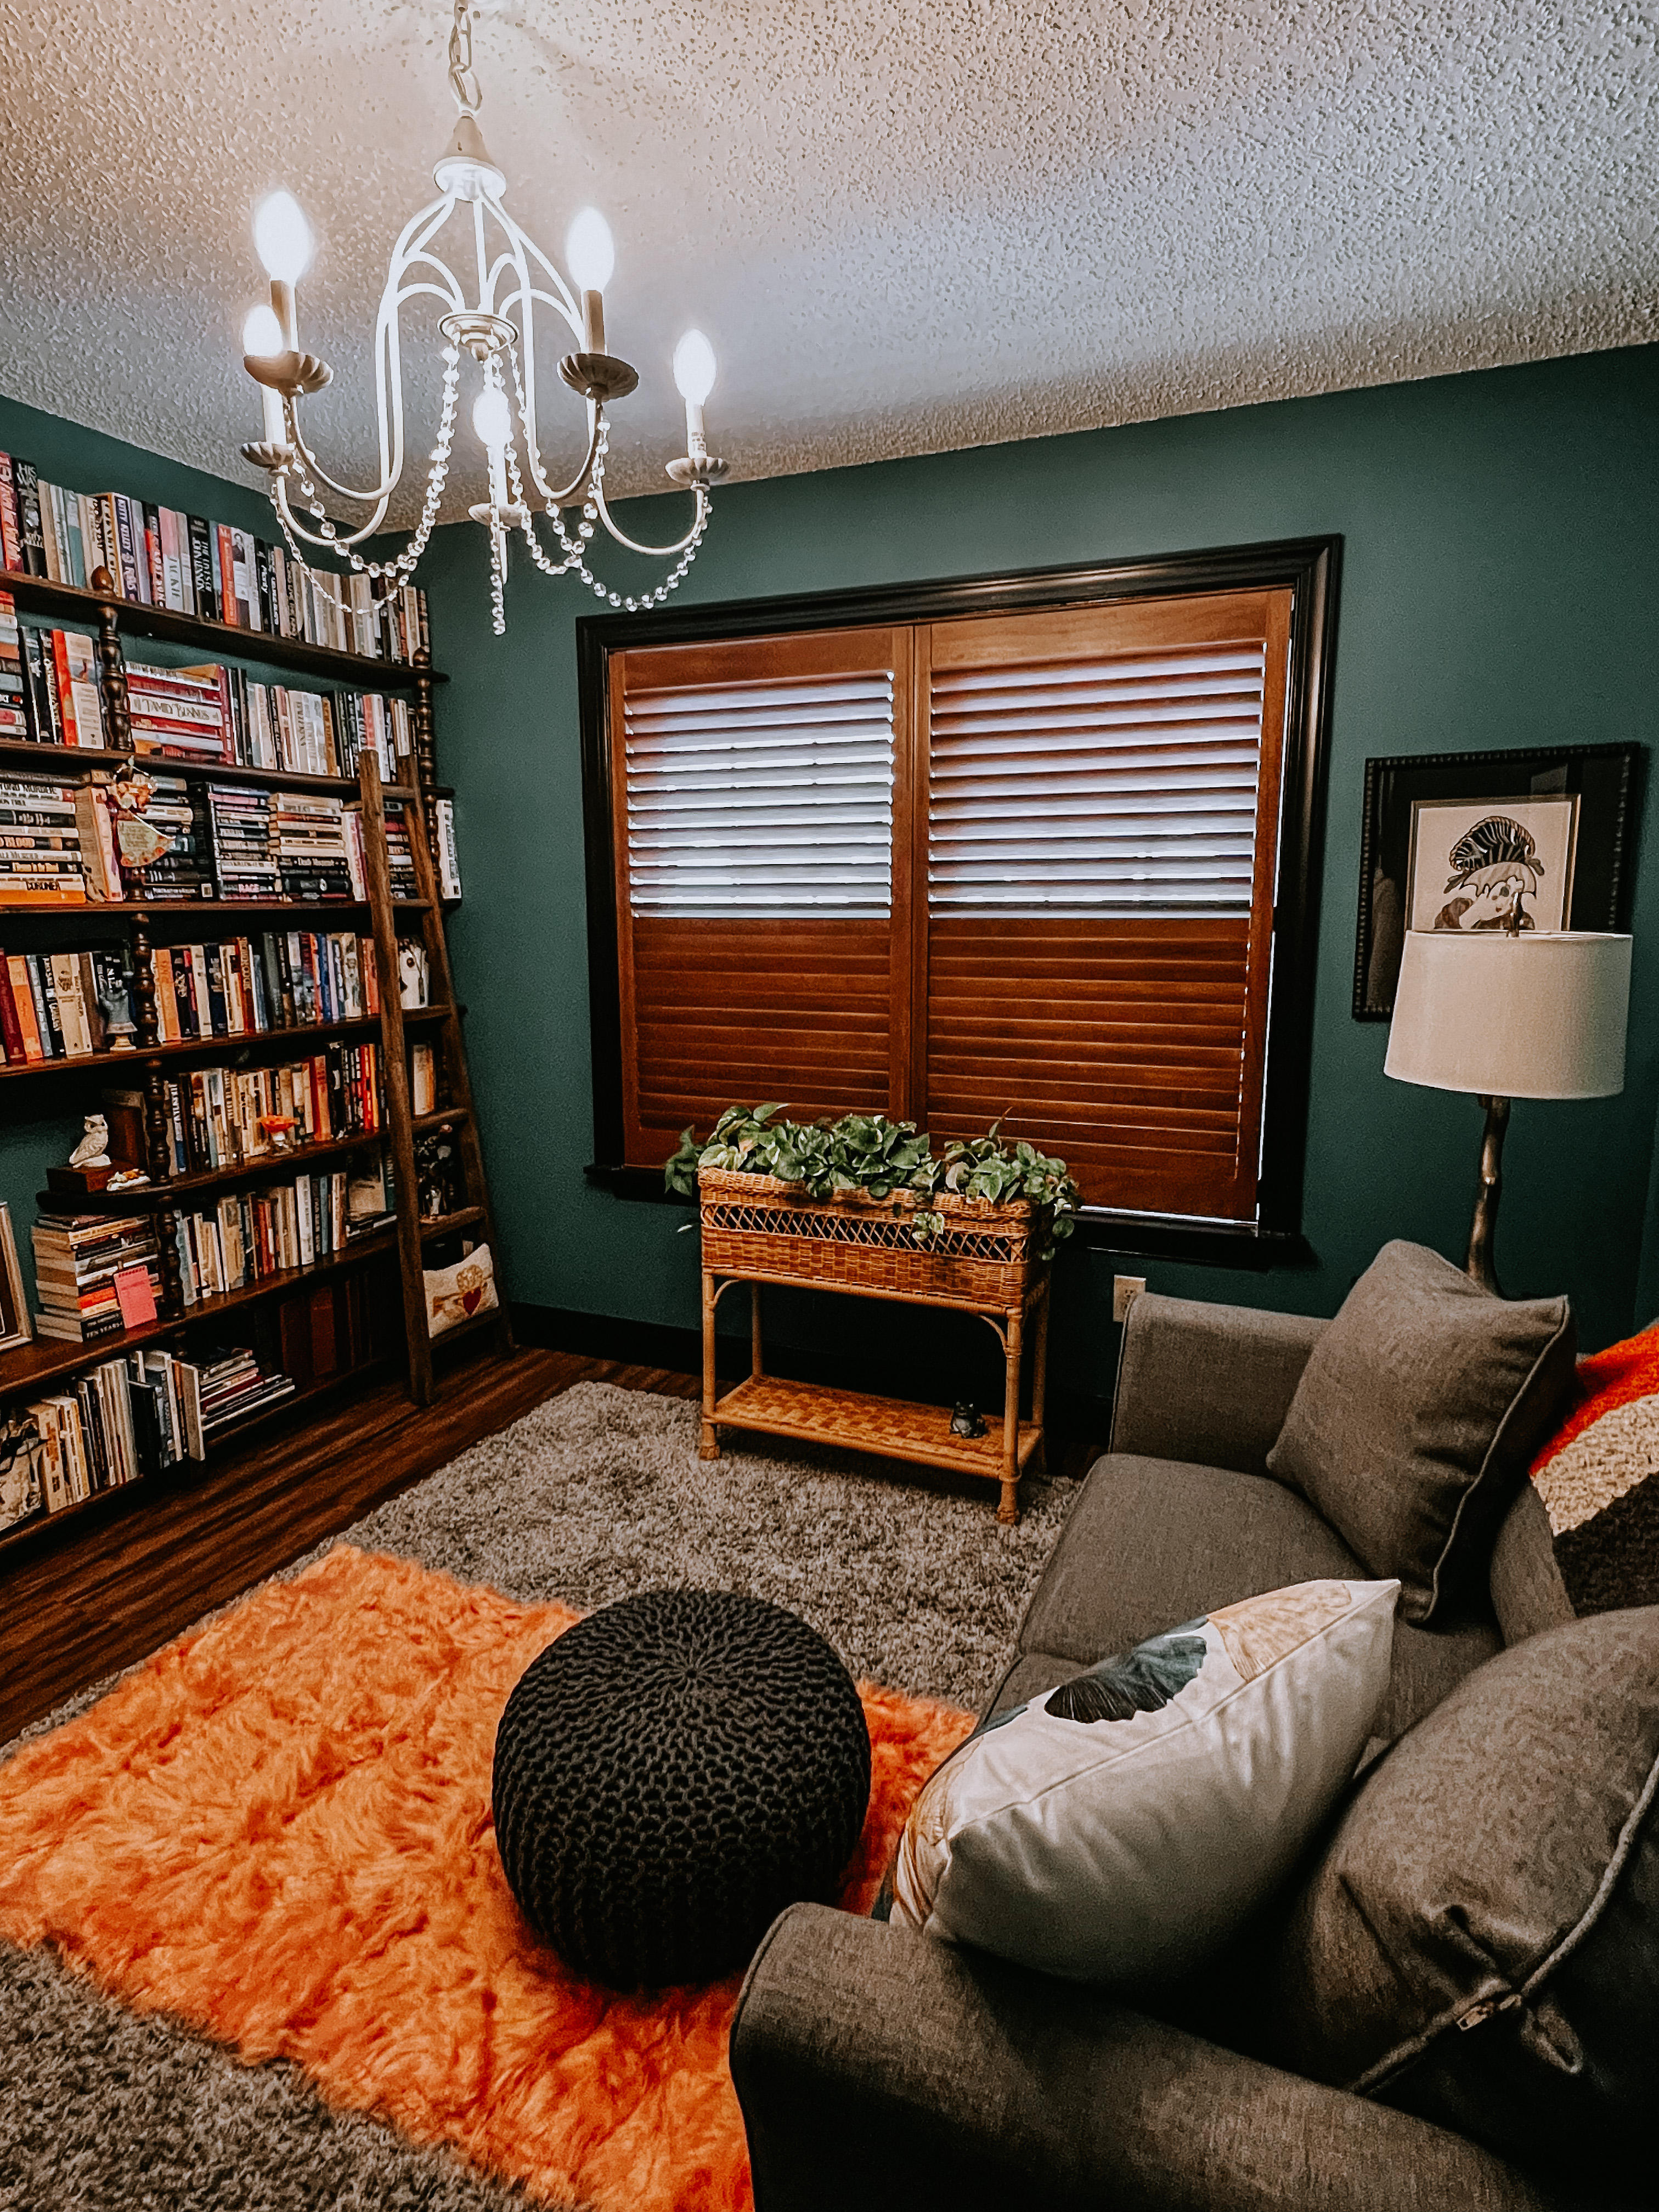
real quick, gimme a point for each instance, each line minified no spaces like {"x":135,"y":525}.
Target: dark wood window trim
{"x":1309,"y":567}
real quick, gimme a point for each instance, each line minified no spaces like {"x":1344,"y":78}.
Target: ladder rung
{"x":422,"y":1123}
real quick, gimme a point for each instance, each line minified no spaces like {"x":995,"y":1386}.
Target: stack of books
{"x":400,"y":858}
{"x":449,"y":859}
{"x":77,"y":1258}
{"x":181,"y":711}
{"x":14,"y":721}
{"x":63,"y":697}
{"x":185,"y":870}
{"x":242,"y":823}
{"x":52,"y":1003}
{"x":160,"y":556}
{"x":215,"y":1114}
{"x":234,"y":1385}
{"x":249,"y":985}
{"x":248,"y":1235}
{"x":310,"y":842}
{"x":41,"y":862}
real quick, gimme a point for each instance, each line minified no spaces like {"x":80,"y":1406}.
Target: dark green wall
{"x":1499,"y":579}
{"x":39,"y":1121}
{"x":1498,"y":588}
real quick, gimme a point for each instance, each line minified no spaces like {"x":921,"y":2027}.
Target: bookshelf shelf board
{"x":165,"y":909}
{"x":213,"y":1048}
{"x":67,"y":604}
{"x":102,"y":1502}
{"x":23,"y":753}
{"x":34,"y":1366}
{"x":148,"y":1197}
{"x":467,"y":1218}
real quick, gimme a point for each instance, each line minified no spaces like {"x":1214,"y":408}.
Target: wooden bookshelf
{"x":44,"y":1365}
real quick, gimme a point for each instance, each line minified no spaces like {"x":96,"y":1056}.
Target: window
{"x":1047,"y":860}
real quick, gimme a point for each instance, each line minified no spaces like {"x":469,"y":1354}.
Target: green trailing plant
{"x":886,"y":1160}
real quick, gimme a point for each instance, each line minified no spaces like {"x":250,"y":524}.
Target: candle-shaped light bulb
{"x":694,"y":374}
{"x":492,"y":419}
{"x":262,"y":336}
{"x":282,"y":237}
{"x":592,"y":255}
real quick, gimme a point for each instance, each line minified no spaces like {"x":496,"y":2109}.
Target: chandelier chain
{"x":463,"y":80}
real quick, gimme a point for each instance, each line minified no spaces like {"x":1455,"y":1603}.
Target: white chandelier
{"x":497,"y":331}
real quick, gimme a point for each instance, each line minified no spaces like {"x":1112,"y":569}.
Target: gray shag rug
{"x":594,"y":1495}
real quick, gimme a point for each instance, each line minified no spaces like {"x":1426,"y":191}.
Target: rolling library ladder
{"x":413,"y":1230}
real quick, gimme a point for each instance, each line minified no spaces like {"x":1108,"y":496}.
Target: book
{"x":26,"y":484}
{"x":11,"y":544}
{"x":449,"y":865}
{"x":14,"y":708}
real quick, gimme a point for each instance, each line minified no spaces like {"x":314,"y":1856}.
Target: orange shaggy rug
{"x":279,"y":1831}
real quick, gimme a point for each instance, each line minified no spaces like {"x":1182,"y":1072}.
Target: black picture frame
{"x":1607,"y":780}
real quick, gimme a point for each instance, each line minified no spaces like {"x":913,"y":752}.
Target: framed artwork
{"x":1459,"y":841}
{"x":14,"y":1326}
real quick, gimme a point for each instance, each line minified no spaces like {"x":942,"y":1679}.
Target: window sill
{"x":1132,"y":1236}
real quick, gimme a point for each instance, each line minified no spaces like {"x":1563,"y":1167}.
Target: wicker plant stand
{"x":757,"y":1230}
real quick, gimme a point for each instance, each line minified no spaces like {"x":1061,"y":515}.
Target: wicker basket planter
{"x":755,"y":1226}
{"x":985,"y":1261}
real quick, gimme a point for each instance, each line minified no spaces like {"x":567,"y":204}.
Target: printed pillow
{"x":1417,"y":1416}
{"x":1118,"y":1828}
{"x":1478,"y":1943}
{"x":1598,"y":1480}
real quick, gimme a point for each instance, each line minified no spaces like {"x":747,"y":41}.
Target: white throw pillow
{"x":1118,"y":1828}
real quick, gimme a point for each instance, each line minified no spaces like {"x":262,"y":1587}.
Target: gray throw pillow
{"x":1417,"y":1415}
{"x":1479,"y":1941}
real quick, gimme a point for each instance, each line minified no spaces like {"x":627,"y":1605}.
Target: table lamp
{"x":1507,"y":1016}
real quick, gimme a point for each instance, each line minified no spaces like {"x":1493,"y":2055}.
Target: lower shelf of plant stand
{"x":857,"y":1421}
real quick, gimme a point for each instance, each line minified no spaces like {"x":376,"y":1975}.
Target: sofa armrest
{"x":1207,"y":1383}
{"x":886,"y":2070}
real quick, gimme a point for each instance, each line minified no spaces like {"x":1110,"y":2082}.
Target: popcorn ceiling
{"x":907,"y":225}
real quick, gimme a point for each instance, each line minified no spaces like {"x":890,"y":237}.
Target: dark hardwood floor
{"x":105,"y":1595}
{"x":102,"y":1597}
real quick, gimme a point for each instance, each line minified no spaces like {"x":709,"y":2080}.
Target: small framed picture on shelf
{"x":1468,"y":841}
{"x":14,"y":1325}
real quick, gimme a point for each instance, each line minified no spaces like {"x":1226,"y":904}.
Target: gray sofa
{"x":877,"y":2068}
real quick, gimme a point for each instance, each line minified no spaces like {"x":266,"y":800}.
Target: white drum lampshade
{"x":1529,"y":1016}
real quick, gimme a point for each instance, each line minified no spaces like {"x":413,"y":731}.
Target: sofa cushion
{"x":1121,"y":1828}
{"x":1479,"y":1941}
{"x":1416,"y":1417}
{"x":1527,"y":1593}
{"x":1149,"y":1541}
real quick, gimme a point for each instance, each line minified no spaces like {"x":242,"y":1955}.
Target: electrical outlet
{"x":1125,"y":1290}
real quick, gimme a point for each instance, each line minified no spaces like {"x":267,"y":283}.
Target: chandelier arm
{"x":380,"y":498}
{"x":387,"y":358}
{"x":340,"y":540}
{"x":524,"y":381}
{"x":526,"y":250}
{"x":699,"y":523}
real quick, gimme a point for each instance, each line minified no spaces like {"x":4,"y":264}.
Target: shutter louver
{"x":1122,"y":785}
{"x":774,"y":798}
{"x":1101,"y":835}
{"x":755,"y":863}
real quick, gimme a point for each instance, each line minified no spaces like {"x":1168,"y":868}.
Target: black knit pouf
{"x":669,"y":1775}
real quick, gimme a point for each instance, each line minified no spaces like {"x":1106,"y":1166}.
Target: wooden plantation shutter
{"x":1099,"y":838}
{"x":762,"y":848}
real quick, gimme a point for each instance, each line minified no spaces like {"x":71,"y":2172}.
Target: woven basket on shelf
{"x":985,"y":1255}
